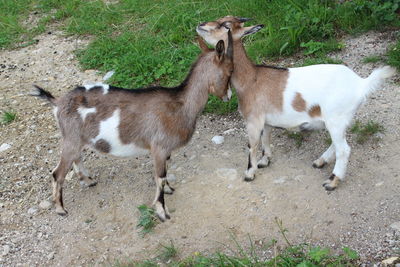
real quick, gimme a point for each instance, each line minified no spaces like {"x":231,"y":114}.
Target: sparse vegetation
{"x":365,"y":131}
{"x":298,"y":137}
{"x":394,"y":56}
{"x":147,"y":219}
{"x":372,"y":59}
{"x":8,"y":117}
{"x":167,"y":252}
{"x":291,"y":255}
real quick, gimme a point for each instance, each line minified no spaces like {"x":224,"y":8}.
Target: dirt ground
{"x":211,"y":202}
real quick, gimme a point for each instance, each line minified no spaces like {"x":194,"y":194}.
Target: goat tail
{"x":40,"y":92}
{"x":377,"y":77}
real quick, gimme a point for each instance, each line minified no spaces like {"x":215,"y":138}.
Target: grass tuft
{"x":290,"y":256}
{"x":298,"y":137}
{"x":394,"y":56}
{"x":372,"y":59}
{"x":147,"y":219}
{"x":8,"y":117}
{"x":364,"y":132}
{"x":167,"y":252}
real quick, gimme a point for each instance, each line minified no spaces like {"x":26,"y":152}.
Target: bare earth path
{"x":211,"y":200}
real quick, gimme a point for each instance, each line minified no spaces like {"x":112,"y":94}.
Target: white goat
{"x":310,"y":97}
{"x":126,"y":123}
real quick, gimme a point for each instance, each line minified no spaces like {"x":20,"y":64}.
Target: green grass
{"x":8,"y":117}
{"x":394,"y":56}
{"x":283,"y":256}
{"x":365,"y":131}
{"x":147,"y":219}
{"x":152,"y":42}
{"x":372,"y":59}
{"x":167,"y":252}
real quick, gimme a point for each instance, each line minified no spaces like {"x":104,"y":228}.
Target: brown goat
{"x":127,"y":123}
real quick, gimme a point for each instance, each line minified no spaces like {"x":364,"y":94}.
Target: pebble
{"x":226,"y":173}
{"x":45,"y":205}
{"x":32,"y":210}
{"x":51,"y":255}
{"x":229,"y":131}
{"x":395,"y":226}
{"x":4,"y":147}
{"x":6,"y":250}
{"x":171,"y":177}
{"x":218,"y":139}
{"x":280,"y":180}
{"x":379,"y":184}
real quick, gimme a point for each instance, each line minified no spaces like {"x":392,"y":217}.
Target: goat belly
{"x":108,"y":140}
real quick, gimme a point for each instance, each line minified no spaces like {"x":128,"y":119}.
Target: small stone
{"x":395,"y":226}
{"x":45,"y":205}
{"x":280,"y":180}
{"x":390,"y":261}
{"x":218,"y":139}
{"x":4,"y":147}
{"x":171,"y":177}
{"x":225,"y":173}
{"x":32,"y":210}
{"x":299,"y":178}
{"x":229,"y":131}
{"x":51,"y":255}
{"x":379,"y":184}
{"x":6,"y":250}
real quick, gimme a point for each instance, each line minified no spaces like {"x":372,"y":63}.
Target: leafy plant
{"x":147,"y":219}
{"x":8,"y":117}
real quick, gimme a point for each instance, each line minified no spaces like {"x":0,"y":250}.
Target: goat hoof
{"x":331,"y":183}
{"x":262,"y":165}
{"x":168,"y":190}
{"x":318,"y":165}
{"x":249,"y":179}
{"x":61,"y":211}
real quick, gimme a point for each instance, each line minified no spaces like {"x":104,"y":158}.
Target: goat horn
{"x":229,"y":50}
{"x":244,"y":19}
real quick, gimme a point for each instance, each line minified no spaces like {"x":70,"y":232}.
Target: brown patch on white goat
{"x":315,"y":111}
{"x":298,"y":103}
{"x":125,"y":122}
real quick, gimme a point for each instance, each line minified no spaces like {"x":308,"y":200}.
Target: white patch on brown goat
{"x":109,"y":131}
{"x":85,"y":111}
{"x":106,"y":87}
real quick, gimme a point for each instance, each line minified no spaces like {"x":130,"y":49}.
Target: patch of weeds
{"x":8,"y":117}
{"x":364,"y":132}
{"x":290,"y":256}
{"x":394,"y":56}
{"x":321,"y":48}
{"x":298,"y":137}
{"x":146,"y":263}
{"x":147,"y":219}
{"x":372,"y":59}
{"x":319,"y":60}
{"x":167,"y":252}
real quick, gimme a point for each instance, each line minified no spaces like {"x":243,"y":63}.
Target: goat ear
{"x":202,"y":44}
{"x":227,"y":25}
{"x":252,"y":29}
{"x":220,"y":49}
